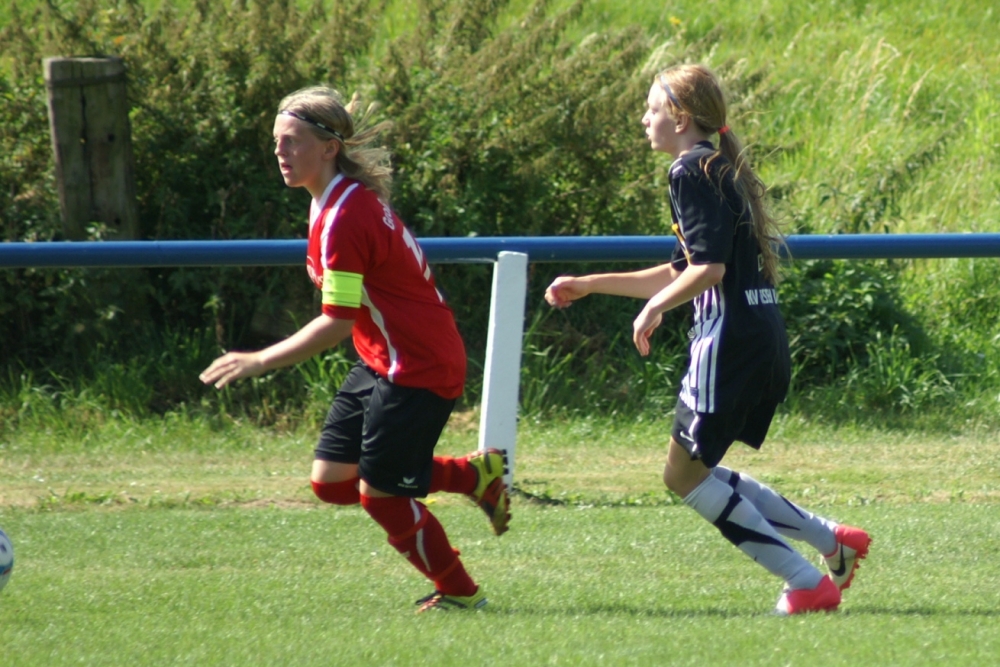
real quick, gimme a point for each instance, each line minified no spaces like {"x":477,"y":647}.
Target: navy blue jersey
{"x":739,"y":349}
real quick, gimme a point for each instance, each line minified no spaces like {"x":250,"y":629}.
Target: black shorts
{"x":388,"y":430}
{"x":708,"y":435}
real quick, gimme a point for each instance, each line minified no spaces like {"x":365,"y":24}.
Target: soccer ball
{"x":6,"y":559}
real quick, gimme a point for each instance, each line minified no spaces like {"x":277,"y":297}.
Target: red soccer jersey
{"x":371,"y":269}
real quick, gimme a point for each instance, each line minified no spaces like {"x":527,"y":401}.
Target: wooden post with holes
{"x":92,"y":143}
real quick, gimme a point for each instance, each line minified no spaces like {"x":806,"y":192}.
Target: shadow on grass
{"x":662,"y":498}
{"x":921,"y":611}
{"x":721,"y":612}
{"x":625,"y":610}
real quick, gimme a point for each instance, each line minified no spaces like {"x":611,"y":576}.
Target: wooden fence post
{"x":92,"y":143}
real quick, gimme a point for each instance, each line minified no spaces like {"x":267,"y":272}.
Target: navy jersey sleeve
{"x":704,"y":221}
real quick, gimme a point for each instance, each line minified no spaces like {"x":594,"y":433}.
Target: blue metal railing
{"x":125,"y":254}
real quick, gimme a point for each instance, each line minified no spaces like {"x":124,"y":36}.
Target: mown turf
{"x":567,"y":585}
{"x":204,"y":549}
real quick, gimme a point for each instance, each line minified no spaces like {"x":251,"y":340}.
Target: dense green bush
{"x":496,"y":132}
{"x":834,"y":311}
{"x":202,"y":85}
{"x":501,"y":128}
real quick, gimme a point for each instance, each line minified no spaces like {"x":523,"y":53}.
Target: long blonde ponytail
{"x":695,"y":90}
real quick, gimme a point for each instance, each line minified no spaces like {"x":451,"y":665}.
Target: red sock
{"x":338,"y":493}
{"x":453,"y":475}
{"x":420,"y":537}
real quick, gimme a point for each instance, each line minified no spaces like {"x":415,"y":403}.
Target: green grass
{"x":197,"y":541}
{"x":176,"y":543}
{"x":568,"y":585}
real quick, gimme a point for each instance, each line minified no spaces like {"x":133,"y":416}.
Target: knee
{"x":684,"y":479}
{"x":673,"y":481}
{"x":338,"y":493}
{"x":682,"y":474}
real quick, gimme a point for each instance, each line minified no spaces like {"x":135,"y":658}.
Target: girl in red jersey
{"x":726,"y":266}
{"x":377,"y":443}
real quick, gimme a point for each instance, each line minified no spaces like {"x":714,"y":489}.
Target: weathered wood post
{"x":92,"y":143}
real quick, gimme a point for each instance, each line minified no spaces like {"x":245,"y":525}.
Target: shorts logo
{"x":408,"y":482}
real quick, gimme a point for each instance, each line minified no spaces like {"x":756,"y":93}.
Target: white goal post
{"x":502,"y":371}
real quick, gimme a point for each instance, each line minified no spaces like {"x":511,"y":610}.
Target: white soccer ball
{"x":6,"y":559}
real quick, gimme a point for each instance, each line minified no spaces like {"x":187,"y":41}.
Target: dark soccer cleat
{"x":852,"y":546}
{"x":491,"y":490}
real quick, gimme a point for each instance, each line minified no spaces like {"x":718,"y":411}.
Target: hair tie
{"x":723,"y":130}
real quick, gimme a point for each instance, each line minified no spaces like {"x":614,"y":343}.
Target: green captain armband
{"x":341,"y":288}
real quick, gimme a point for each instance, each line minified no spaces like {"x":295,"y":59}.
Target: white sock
{"x":740,"y":523}
{"x":787,"y":518}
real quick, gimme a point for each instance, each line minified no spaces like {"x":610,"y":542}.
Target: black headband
{"x":670,"y":94}
{"x":307,"y":119}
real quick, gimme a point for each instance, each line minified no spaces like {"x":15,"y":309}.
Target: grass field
{"x":181,"y":541}
{"x":178,"y":544}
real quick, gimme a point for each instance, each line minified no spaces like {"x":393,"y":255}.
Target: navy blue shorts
{"x":388,"y":430}
{"x":708,"y":436}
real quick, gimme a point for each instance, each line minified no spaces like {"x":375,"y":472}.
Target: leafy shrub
{"x":596,"y":375}
{"x":203,"y":85}
{"x":895,"y":378}
{"x":834,"y":311}
{"x":526,"y":130}
{"x":510,"y":132}
{"x":959,"y":301}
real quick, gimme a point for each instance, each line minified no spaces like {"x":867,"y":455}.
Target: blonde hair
{"x":695,"y":91}
{"x":329,"y":118}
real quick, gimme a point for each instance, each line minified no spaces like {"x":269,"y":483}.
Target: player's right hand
{"x":232,"y":366}
{"x":564,"y":290}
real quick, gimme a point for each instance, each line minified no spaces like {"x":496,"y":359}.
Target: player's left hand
{"x":232,"y":366}
{"x":643,"y":327}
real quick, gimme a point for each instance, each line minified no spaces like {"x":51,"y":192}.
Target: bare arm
{"x":642,"y":284}
{"x":691,"y":282}
{"x":320,"y":334}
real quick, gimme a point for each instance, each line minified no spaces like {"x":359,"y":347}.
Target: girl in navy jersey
{"x":725,"y":263}
{"x":377,"y":443}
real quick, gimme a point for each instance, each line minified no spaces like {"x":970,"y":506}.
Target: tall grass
{"x":863,"y":117}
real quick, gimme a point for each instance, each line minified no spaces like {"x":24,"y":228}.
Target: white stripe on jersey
{"x":710,"y":311}
{"x":324,"y":241}
{"x":317,"y":204}
{"x":380,"y":323}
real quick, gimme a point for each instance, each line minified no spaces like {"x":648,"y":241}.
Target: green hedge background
{"x":517,"y":118}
